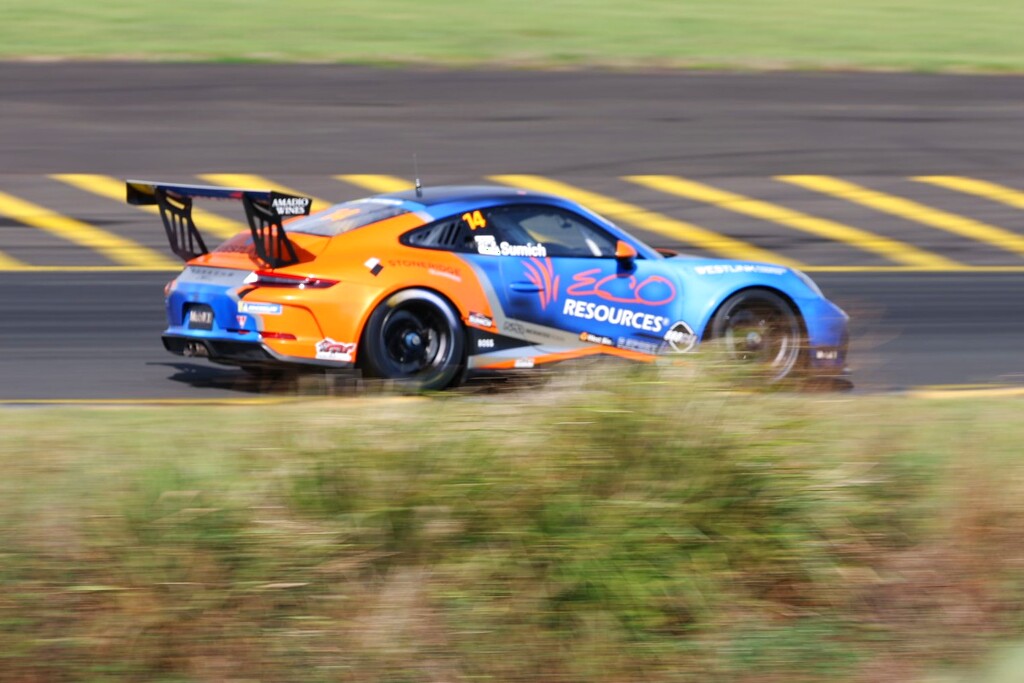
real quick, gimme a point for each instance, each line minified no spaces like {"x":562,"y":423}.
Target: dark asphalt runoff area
{"x":68,"y":335}
{"x":97,"y":335}
{"x":272,"y":119}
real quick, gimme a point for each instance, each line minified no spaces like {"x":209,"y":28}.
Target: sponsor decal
{"x":242,"y":320}
{"x":653,"y":290}
{"x":480,"y":320}
{"x":826,"y":354}
{"x":524,"y":363}
{"x":259,"y":308}
{"x":488,"y":246}
{"x":329,"y":349}
{"x":614,"y":315}
{"x":638,"y":345}
{"x":219,"y":276}
{"x":680,"y":338}
{"x":515,"y":328}
{"x":442,"y":273}
{"x":731,"y":268}
{"x":542,"y":274}
{"x":438,"y":269}
{"x":374,"y":266}
{"x":485,"y":343}
{"x":291,"y":206}
{"x":596,"y":339}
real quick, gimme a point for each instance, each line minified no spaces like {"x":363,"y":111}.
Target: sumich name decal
{"x":488,"y":246}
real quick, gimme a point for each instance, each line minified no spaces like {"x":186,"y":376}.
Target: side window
{"x":516,"y":230}
{"x":463,"y":233}
{"x":449,"y":234}
{"x":556,"y":232}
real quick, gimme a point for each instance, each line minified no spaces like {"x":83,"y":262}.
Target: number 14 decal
{"x":475,"y":220}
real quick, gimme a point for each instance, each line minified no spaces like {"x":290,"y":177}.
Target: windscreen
{"x":347,"y":216}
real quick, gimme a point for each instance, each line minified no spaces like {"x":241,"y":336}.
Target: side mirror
{"x":625,"y":254}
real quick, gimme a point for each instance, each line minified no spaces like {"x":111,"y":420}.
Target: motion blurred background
{"x":742,"y":34}
{"x":601,"y":524}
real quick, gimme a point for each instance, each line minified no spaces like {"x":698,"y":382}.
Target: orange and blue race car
{"x":429,"y":285}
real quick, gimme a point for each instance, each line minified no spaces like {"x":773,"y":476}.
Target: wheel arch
{"x":746,"y":288}
{"x":365,"y":317}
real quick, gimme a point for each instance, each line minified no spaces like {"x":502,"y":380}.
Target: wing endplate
{"x":265,"y":211}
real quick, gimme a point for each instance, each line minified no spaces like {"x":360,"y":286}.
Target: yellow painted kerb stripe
{"x":249,"y":181}
{"x":378,"y":184}
{"x":651,"y":221}
{"x":911,"y":210}
{"x":979,"y":188}
{"x":891,"y":249}
{"x":114,"y":247}
{"x":967,"y":392}
{"x":11,"y":263}
{"x":112,"y":188}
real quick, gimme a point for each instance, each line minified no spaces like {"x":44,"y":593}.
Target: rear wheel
{"x":415,"y":338}
{"x":760,"y":330}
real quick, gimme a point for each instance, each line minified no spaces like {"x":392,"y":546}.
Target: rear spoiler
{"x":265,"y":211}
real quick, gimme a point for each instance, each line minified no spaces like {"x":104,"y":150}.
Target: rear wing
{"x":265,"y":211}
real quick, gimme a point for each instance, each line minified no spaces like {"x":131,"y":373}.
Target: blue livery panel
{"x":656,"y":306}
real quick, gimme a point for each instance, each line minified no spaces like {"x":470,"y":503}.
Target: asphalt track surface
{"x":80,"y":335}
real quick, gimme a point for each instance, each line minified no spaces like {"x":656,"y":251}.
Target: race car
{"x":427,"y":286}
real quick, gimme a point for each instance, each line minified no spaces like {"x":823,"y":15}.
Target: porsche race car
{"x":428,"y":285}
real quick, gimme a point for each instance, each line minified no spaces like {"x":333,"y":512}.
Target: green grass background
{"x":639,"y":525}
{"x":876,"y":34}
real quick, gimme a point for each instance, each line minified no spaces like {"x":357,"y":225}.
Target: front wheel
{"x":760,"y":330}
{"x":414,"y":338}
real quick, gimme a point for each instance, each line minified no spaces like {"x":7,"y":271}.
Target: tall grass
{"x":632,"y":525}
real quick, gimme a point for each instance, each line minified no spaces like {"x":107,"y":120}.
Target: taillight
{"x":277,"y":335}
{"x":262,"y":278}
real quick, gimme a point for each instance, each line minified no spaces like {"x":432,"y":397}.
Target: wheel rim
{"x":760,"y":333}
{"x":415,"y":340}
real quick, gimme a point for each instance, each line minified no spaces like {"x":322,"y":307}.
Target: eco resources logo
{"x":614,"y":315}
{"x":542,"y":274}
{"x":654,"y":290}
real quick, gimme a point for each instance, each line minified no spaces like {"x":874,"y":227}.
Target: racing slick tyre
{"x":760,"y":330}
{"x":414,"y":338}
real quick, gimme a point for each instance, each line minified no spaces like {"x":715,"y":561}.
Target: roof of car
{"x":445,"y":194}
{"x":439,"y":202}
{"x":432,"y":197}
{"x":443,"y":201}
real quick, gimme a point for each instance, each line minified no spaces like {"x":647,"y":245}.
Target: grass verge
{"x":873,"y":34}
{"x":637,"y":525}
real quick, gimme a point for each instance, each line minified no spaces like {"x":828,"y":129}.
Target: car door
{"x":560,"y":270}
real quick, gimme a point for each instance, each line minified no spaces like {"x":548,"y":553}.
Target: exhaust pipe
{"x":194,"y":349}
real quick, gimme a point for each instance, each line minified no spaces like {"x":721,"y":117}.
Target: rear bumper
{"x":218,"y":350}
{"x":232,"y":352}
